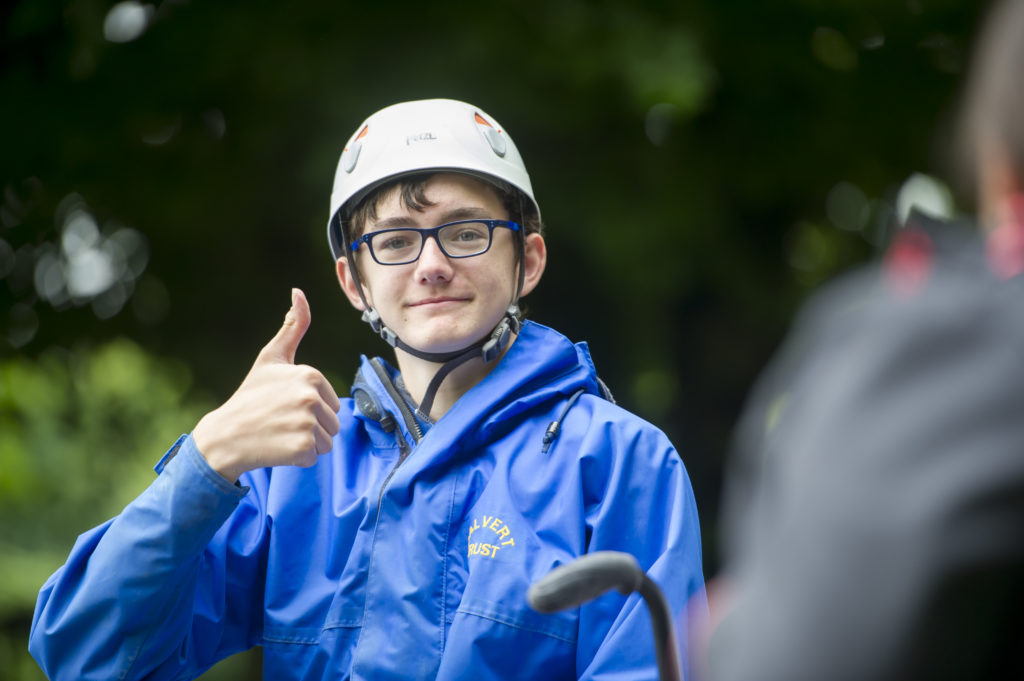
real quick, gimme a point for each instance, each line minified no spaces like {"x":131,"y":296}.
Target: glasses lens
{"x":396,"y":246}
{"x":465,"y":238}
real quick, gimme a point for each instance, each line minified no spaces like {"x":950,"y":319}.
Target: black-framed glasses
{"x":459,"y":239}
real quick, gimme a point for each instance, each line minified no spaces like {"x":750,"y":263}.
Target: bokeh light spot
{"x":90,"y":266}
{"x":89,"y":272}
{"x":162,"y":131}
{"x":49,"y":278}
{"x":24,"y":324}
{"x":873,"y":42}
{"x":215,"y":122}
{"x":658,"y":122}
{"x":80,"y":233}
{"x":847,"y":207}
{"x":832,"y":49}
{"x":6,"y":258}
{"x":110,"y":302}
{"x":126,"y":21}
{"x":133,"y":250}
{"x":812,"y":251}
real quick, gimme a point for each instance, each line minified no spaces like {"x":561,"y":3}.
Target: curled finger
{"x":326,"y":418}
{"x":324,"y":440}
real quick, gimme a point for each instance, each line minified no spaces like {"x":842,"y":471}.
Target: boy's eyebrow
{"x":465,"y":213}
{"x":461,"y":213}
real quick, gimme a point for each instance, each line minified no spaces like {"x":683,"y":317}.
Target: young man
{"x":394,"y":535}
{"x":883,"y":536}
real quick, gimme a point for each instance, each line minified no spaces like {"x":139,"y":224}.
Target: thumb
{"x":282,"y":347}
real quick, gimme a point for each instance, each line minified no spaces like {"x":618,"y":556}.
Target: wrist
{"x":216,"y":449}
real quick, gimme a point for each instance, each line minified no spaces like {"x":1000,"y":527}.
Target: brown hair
{"x":412,"y":193}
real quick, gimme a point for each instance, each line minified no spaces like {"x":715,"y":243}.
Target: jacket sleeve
{"x":163,"y":590}
{"x":639,"y":501}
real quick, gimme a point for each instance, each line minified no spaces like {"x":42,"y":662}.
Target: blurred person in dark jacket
{"x":875,"y":506}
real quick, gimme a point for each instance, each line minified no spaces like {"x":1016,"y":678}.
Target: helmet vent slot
{"x":493,"y":136}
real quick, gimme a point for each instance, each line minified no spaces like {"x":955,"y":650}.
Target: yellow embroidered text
{"x":495,"y":536}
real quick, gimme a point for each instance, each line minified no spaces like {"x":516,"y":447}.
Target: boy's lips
{"x":438,"y":300}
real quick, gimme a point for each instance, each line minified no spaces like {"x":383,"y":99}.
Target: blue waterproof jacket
{"x":399,"y":555}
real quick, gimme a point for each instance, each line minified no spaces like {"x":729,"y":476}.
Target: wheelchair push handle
{"x":589,"y":576}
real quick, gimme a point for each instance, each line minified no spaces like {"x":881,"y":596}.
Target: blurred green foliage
{"x":80,"y":430}
{"x":701,"y":166}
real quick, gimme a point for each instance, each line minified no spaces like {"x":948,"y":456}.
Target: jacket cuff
{"x":191,"y":466}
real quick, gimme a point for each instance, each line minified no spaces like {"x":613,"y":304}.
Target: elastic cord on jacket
{"x":556,"y":426}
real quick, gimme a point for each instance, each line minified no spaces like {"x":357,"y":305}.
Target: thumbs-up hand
{"x":281,"y":414}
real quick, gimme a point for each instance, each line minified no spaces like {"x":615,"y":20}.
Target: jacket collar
{"x":540,"y":366}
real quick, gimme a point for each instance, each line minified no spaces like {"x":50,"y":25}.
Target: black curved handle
{"x":589,"y":576}
{"x":586,"y":578}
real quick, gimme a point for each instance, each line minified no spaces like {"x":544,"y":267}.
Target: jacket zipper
{"x":410,"y":421}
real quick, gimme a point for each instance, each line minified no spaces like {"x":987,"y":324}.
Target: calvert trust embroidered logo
{"x":494,"y":535}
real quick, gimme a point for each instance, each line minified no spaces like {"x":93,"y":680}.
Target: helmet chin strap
{"x":488,"y":348}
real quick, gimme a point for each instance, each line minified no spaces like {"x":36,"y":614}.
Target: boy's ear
{"x":348,"y":283}
{"x":535,"y":261}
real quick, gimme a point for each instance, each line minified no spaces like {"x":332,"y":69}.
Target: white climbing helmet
{"x":423,"y":135}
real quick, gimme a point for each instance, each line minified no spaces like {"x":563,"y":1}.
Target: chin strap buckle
{"x":372,"y":317}
{"x":514,"y":318}
{"x":502,"y":334}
